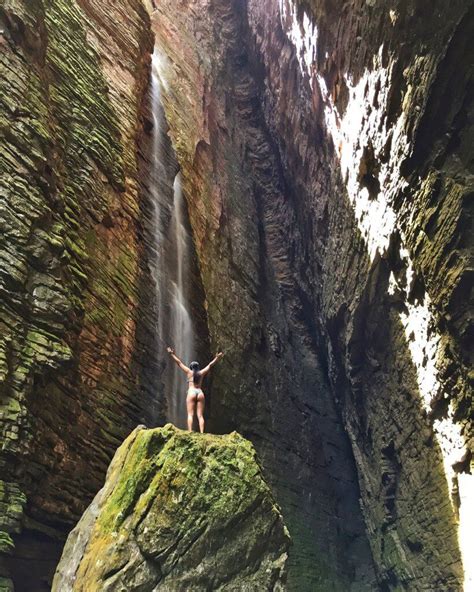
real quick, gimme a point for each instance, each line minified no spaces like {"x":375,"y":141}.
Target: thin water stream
{"x":172,"y":251}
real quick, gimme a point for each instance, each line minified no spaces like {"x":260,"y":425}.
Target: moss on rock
{"x":179,"y":511}
{"x":72,"y":263}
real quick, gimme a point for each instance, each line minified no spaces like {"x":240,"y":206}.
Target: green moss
{"x":43,"y":346}
{"x":12,"y":501}
{"x":61,"y":169}
{"x":80,"y":93}
{"x":183,"y":497}
{"x":6,"y":585}
{"x":162,"y":461}
{"x":6,"y":543}
{"x":141,"y":464}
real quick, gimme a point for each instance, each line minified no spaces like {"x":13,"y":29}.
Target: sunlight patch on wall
{"x":368,"y":150}
{"x":303,"y":34}
{"x":361,"y":139}
{"x":362,"y":170}
{"x":424,"y":343}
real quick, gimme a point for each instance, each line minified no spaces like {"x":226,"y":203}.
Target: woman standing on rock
{"x":195,"y":398}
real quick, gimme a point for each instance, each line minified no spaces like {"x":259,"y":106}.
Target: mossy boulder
{"x":179,"y":511}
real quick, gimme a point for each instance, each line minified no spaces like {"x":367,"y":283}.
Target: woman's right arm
{"x":183,"y":366}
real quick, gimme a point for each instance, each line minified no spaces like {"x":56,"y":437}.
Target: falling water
{"x":171,"y":254}
{"x":181,"y":324}
{"x":157,"y":175}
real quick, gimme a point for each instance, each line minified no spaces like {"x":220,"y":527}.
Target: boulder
{"x":178,"y":511}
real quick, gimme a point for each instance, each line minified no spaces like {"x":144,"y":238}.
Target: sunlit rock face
{"x":178,"y":511}
{"x":399,"y":121}
{"x":74,"y":281}
{"x":327,"y":162}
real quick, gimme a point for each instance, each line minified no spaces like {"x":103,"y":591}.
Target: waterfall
{"x":171,"y":253}
{"x":158,"y":200}
{"x":181,"y":323}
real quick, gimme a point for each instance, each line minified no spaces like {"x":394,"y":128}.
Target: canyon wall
{"x":327,"y":165}
{"x":394,"y":316}
{"x":76,"y":323}
{"x":272,"y":385}
{"x":326,"y":161}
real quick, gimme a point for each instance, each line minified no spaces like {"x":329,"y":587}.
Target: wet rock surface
{"x":326,"y":156}
{"x":252,"y":255}
{"x":178,"y":511}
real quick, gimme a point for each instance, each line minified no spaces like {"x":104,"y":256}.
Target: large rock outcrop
{"x":76,"y":311}
{"x":327,"y":172}
{"x":178,"y":511}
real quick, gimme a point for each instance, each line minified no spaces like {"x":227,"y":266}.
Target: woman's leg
{"x":200,"y":411}
{"x":190,"y":406}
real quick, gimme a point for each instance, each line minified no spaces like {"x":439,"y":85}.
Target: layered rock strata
{"x":396,"y":330}
{"x":178,"y":511}
{"x":327,"y":172}
{"x":73,"y":273}
{"x":327,"y":163}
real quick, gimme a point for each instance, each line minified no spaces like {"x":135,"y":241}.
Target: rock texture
{"x":328,"y":175}
{"x":171,"y":257}
{"x":326,"y":158}
{"x":178,"y":511}
{"x":248,"y":239}
{"x":74,"y":284}
{"x":398,"y":361}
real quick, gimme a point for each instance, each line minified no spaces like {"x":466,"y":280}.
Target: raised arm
{"x":205,"y":370}
{"x":183,"y":366}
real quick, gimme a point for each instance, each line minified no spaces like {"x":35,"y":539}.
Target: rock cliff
{"x":325,"y":151}
{"x":326,"y":165}
{"x":178,"y":511}
{"x":73,"y":272}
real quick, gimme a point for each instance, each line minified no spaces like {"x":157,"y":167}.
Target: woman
{"x":195,"y":397}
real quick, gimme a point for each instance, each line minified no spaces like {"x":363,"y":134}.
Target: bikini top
{"x":192,"y":379}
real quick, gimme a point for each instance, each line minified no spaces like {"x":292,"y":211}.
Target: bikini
{"x":194,"y":390}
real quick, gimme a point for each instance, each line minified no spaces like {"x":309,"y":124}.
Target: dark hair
{"x":194,"y":366}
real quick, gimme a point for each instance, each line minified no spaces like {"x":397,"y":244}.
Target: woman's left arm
{"x":211,"y":363}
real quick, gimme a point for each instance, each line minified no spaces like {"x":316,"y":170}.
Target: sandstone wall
{"x":75,"y":288}
{"x":326,"y":156}
{"x":272,"y":384}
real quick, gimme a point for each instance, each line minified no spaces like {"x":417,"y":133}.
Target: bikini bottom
{"x":194,"y":391}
